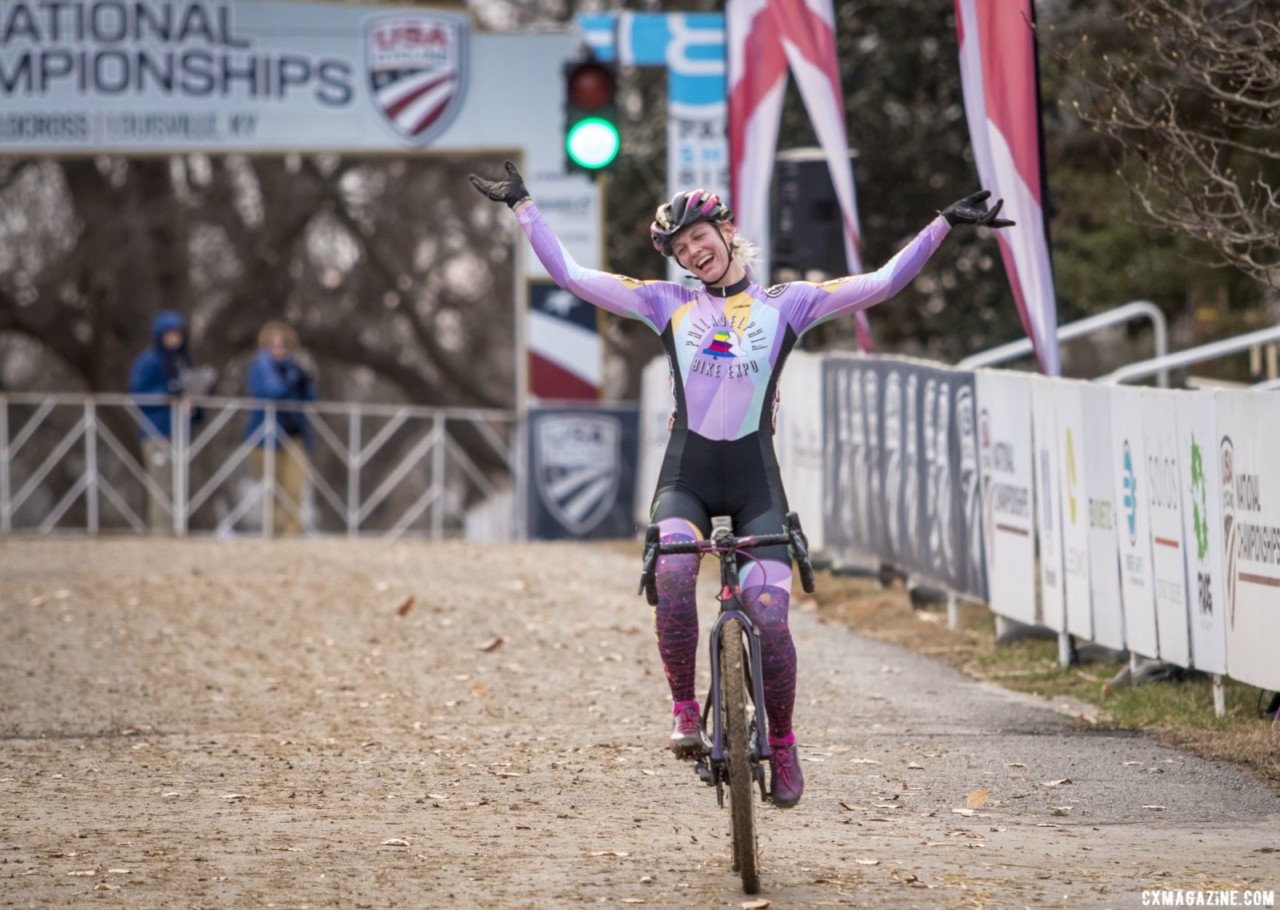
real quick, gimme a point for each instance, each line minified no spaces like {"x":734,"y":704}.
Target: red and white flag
{"x":1002,"y":103}
{"x":765,"y":39}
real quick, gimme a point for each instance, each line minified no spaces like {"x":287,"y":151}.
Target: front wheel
{"x":736,"y":719}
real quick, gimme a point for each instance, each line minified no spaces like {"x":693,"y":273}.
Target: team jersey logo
{"x":723,"y":343}
{"x":417,"y":70}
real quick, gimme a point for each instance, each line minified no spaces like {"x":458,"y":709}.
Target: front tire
{"x":733,"y":690}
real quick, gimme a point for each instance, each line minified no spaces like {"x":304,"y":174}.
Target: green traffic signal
{"x":591,"y":137}
{"x":593,"y":143}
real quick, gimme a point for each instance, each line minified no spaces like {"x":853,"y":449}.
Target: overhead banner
{"x":1137,"y":581}
{"x":1104,"y":570}
{"x":1248,"y":440}
{"x":1202,"y":529}
{"x":1164,"y":497}
{"x":1004,"y":456}
{"x":902,"y":468}
{"x":1072,"y":481}
{"x":1044,"y":422}
{"x":582,"y":472}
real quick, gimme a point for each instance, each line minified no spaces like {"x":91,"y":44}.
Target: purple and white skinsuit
{"x":726,"y":348}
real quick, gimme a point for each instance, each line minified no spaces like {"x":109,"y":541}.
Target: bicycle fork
{"x":711,"y":770}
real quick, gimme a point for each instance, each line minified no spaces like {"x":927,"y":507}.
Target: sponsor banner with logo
{"x":581,"y":472}
{"x":218,"y":76}
{"x":1164,"y":498}
{"x":902,"y":468}
{"x":566,"y":355}
{"x":1044,"y":425}
{"x":1249,"y":475}
{"x":1099,"y":481}
{"x":1004,"y":457}
{"x":1202,"y":529}
{"x":798,"y":441}
{"x":1137,"y":580}
{"x":1073,"y":482}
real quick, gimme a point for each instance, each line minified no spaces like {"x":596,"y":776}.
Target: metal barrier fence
{"x":94,"y":464}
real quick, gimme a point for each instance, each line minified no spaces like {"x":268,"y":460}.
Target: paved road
{"x":279,"y":725}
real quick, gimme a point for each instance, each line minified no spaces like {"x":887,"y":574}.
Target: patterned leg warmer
{"x":768,"y":607}
{"x":675,"y":619}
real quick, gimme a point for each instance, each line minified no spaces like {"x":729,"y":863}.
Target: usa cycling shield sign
{"x":417,"y":70}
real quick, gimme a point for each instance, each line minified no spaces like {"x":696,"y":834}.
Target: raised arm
{"x":818,"y":303}
{"x":651,"y":302}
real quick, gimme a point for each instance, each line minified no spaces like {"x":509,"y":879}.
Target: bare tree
{"x":1190,"y":93}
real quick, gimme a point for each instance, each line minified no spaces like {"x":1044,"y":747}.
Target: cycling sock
{"x":675,"y":618}
{"x":768,"y":607}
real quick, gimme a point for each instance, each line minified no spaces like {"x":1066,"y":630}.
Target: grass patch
{"x":1178,"y":712}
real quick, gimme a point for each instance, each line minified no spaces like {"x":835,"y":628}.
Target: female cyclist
{"x":726,"y":343}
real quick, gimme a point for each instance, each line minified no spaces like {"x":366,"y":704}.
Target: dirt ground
{"x":345,"y":724}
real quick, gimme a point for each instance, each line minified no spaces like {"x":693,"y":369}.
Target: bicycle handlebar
{"x":723,"y":542}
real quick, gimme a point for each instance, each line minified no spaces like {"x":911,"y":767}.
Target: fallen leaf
{"x":394,"y":842}
{"x":609,"y":853}
{"x":491,"y":645}
{"x":1155,"y":808}
{"x":479,"y":690}
{"x":233,"y":797}
{"x":1014,"y":764}
{"x":912,"y":766}
{"x":437,"y":796}
{"x":754,"y":905}
{"x":868,"y":862}
{"x":405,"y":607}
{"x":84,"y":872}
{"x":977,"y":798}
{"x":965,"y":812}
{"x":1060,"y":810}
{"x":863,"y":761}
{"x":1055,"y":783}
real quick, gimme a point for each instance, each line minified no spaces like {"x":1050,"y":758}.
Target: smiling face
{"x":704,"y":250}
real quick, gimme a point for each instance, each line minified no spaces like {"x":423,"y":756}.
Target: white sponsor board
{"x":1248,"y":442}
{"x":1004,"y":461}
{"x":1164,"y":497}
{"x":1104,"y":566}
{"x":1072,"y":475}
{"x":656,"y":406}
{"x":1133,"y":536}
{"x":1202,"y":530}
{"x":1048,"y":508}
{"x":798,"y":441}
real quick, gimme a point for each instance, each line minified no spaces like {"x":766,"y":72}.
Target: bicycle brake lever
{"x":800,"y":550}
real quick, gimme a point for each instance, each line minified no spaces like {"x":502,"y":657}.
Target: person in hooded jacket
{"x":165,"y":368}
{"x":276,"y":374}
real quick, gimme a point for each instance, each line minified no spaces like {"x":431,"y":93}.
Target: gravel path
{"x":337,"y":724}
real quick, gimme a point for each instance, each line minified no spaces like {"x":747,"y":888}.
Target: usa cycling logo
{"x":577,"y":467}
{"x":1129,"y":479}
{"x":417,"y":70}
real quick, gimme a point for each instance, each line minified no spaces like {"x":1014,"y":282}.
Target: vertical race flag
{"x":764,"y":38}
{"x":1002,"y":102}
{"x":566,"y":354}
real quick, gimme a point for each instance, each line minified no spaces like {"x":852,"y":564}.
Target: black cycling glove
{"x":511,"y":191}
{"x":972,"y":210}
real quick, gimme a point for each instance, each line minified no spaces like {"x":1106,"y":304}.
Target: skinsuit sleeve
{"x":814,"y":304}
{"x":651,"y":302}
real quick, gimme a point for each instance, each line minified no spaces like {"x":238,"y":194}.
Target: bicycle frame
{"x":731,"y":608}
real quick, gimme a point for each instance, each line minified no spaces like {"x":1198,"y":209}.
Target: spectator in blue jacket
{"x":165,"y":368}
{"x":276,"y":375}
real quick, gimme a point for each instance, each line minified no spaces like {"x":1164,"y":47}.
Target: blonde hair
{"x":744,"y":251}
{"x":273,"y":328}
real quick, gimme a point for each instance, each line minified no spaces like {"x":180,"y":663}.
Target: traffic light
{"x":591,"y":138}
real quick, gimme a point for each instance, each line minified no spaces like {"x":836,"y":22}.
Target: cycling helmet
{"x":685,"y":208}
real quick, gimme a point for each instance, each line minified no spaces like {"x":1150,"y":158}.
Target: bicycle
{"x":735,"y":702}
